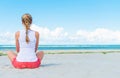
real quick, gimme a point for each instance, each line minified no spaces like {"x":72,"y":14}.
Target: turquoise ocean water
{"x":67,"y":47}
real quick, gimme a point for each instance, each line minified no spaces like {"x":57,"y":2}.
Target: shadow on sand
{"x":49,"y":65}
{"x":7,"y":66}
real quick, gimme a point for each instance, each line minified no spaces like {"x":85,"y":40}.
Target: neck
{"x":28,"y":28}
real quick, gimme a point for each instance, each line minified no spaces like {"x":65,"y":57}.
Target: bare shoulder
{"x":17,"y":33}
{"x":36,"y":33}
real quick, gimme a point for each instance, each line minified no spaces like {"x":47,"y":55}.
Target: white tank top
{"x":27,"y":50}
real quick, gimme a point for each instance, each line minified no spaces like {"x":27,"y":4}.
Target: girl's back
{"x":27,"y":50}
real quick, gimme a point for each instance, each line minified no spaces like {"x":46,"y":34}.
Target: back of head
{"x":27,"y":21}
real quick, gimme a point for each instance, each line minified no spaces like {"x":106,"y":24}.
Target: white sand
{"x":67,"y":66}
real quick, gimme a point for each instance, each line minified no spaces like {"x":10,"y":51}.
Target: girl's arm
{"x":17,"y":41}
{"x":37,"y":40}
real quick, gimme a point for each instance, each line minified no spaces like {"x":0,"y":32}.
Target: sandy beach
{"x":67,"y":66}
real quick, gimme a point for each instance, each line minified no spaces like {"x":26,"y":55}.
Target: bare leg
{"x":11,"y":55}
{"x":40,"y":55}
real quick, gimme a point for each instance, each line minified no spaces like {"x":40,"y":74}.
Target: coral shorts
{"x":22,"y":65}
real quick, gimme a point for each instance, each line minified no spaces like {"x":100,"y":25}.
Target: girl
{"x":27,"y":42}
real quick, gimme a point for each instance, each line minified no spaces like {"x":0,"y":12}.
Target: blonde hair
{"x":27,"y":21}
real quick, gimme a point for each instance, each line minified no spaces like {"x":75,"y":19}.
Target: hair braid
{"x":27,"y":21}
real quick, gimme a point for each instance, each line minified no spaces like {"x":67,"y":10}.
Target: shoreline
{"x":3,"y":53}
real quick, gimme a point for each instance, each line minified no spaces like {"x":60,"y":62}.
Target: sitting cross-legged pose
{"x":27,"y":42}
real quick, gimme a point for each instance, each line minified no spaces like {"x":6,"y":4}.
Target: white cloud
{"x":60,"y":36}
{"x":52,"y":36}
{"x":100,"y":35}
{"x":7,"y":38}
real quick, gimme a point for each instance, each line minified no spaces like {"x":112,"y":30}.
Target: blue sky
{"x":64,"y":21}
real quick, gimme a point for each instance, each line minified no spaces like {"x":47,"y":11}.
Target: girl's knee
{"x":40,"y":52}
{"x":9,"y":52}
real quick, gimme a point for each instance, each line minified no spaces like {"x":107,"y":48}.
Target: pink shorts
{"x":22,"y":65}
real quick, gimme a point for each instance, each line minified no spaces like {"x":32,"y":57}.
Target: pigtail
{"x":27,"y":20}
